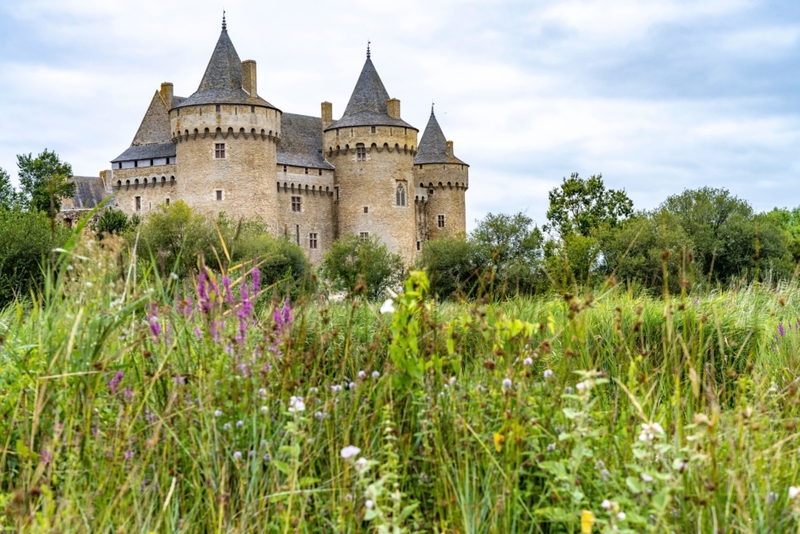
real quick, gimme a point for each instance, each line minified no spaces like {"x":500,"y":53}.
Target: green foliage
{"x":25,"y":244}
{"x":174,"y":235}
{"x":9,"y":198}
{"x":580,"y":206}
{"x":44,"y":181}
{"x":453,"y":265}
{"x":354,"y":265}
{"x":112,"y":221}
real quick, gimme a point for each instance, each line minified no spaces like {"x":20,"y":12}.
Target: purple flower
{"x":283,"y":317}
{"x":198,"y":333}
{"x":127,"y":394}
{"x":781,"y":330}
{"x":113,"y":384}
{"x":45,"y":456}
{"x":256,"y":275}
{"x":128,"y":454}
{"x":226,"y":283}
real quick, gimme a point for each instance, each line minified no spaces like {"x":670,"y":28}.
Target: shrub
{"x":351,"y":261}
{"x":174,"y":235}
{"x":112,"y":221}
{"x":453,"y":266}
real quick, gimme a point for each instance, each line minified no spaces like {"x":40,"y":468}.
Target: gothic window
{"x":400,"y":195}
{"x":364,"y":236}
{"x":219,"y":150}
{"x":312,"y":240}
{"x":361,"y":152}
{"x":440,"y":221}
{"x":296,"y":204}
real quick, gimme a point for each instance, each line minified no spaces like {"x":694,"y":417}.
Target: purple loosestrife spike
{"x":781,"y":330}
{"x":256,"y":275}
{"x":113,"y":384}
{"x":226,"y":283}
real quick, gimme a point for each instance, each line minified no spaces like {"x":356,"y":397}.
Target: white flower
{"x":351,"y":385}
{"x":548,"y":374}
{"x":336,"y":388}
{"x":237,"y":455}
{"x":262,"y":392}
{"x":646,"y":477}
{"x":296,"y":404}
{"x":606,"y":505}
{"x":376,"y":374}
{"x":174,"y":276}
{"x":452,"y":381}
{"x":794,"y":491}
{"x":507,"y":383}
{"x":369,"y":504}
{"x":650,"y":431}
{"x":264,"y":410}
{"x":239,"y":424}
{"x":88,"y":284}
{"x":361,"y":463}
{"x":621,"y":516}
{"x":218,"y":413}
{"x":388,"y":306}
{"x":350,"y":451}
{"x":527,"y":362}
{"x":580,"y":386}
{"x":226,"y":426}
{"x":362,"y":375}
{"x":313,"y":390}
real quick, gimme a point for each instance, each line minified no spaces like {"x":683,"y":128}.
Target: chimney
{"x":167,"y":94}
{"x":249,"y":76}
{"x":327,"y":114}
{"x":449,"y":149}
{"x":393,"y":108}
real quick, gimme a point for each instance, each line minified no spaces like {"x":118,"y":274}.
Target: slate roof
{"x":89,"y":192}
{"x":433,"y":145}
{"x":222,"y":81}
{"x":301,"y":142}
{"x":161,"y":150}
{"x":367,"y":105}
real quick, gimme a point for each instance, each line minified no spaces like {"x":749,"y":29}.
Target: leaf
{"x":283,"y":467}
{"x":569,"y":413}
{"x":22,"y":450}
{"x":499,"y":439}
{"x":408,"y":510}
{"x":633,"y":484}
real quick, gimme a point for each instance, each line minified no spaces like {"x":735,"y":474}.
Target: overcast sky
{"x":657,"y":95}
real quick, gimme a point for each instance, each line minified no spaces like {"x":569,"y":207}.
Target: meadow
{"x":131,"y":402}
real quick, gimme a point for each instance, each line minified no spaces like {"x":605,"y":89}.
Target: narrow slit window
{"x":166,"y":201}
{"x":138,"y":203}
{"x":419,"y":245}
{"x":297,"y":234}
{"x":219,"y":150}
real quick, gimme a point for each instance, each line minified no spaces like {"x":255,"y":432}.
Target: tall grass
{"x":181,"y":406}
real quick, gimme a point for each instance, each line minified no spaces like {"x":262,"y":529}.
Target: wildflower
{"x":217,"y":413}
{"x":361,"y":463}
{"x":173,"y":275}
{"x":336,"y":388}
{"x":621,"y":516}
{"x":267,"y":457}
{"x":388,"y":306}
{"x":296,"y":404}
{"x":527,"y":362}
{"x":794,"y":491}
{"x":255,"y":275}
{"x":239,"y":424}
{"x":369,"y":504}
{"x":580,"y":386}
{"x":606,"y":505}
{"x":551,"y":447}
{"x":568,"y":390}
{"x":237,"y":456}
{"x":226,"y":426}
{"x":283,"y":317}
{"x":351,"y":385}
{"x":362,"y":375}
{"x":376,"y":374}
{"x":650,"y":431}
{"x":452,"y":381}
{"x":350,"y":451}
{"x":128,"y":454}
{"x":127,"y":394}
{"x":89,"y":284}
{"x":646,"y":477}
{"x":507,"y":383}
{"x":320,"y":415}
{"x":113,"y":384}
{"x":772,"y":497}
{"x":604,"y":473}
{"x":313,"y":390}
{"x":262,"y":392}
{"x":45,"y":456}
{"x":781,"y":330}
{"x":548,"y":374}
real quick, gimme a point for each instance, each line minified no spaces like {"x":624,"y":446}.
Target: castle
{"x":313,"y":179}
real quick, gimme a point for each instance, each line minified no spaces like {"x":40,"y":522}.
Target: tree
{"x":175,"y":234}
{"x":44,"y":180}
{"x":352,"y":261}
{"x":511,"y":246}
{"x":453,"y":265}
{"x":580,"y":206}
{"x":112,"y":221}
{"x":8,"y":195}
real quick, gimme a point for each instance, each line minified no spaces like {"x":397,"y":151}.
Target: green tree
{"x":580,"y":206}
{"x":511,"y":247}
{"x":8,"y":195}
{"x":453,"y":265}
{"x":175,"y":235}
{"x":44,"y":181}
{"x":112,"y":221}
{"x":352,"y":261}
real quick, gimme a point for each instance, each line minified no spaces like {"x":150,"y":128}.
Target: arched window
{"x":400,"y":195}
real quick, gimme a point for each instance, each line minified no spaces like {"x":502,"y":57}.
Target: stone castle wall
{"x":153,"y":185}
{"x":317,"y":209}
{"x":445,"y":186}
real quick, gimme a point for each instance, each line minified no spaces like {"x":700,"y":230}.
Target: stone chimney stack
{"x":249,"y":77}
{"x":327,"y":114}
{"x":167,"y":94}
{"x":449,"y":149}
{"x":393,"y":108}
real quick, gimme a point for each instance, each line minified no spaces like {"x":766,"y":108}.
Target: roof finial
{"x":368,"y":52}
{"x":224,"y":24}
{"x":432,"y":104}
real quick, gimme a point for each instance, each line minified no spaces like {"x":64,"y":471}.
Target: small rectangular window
{"x":218,"y":108}
{"x":219,"y":150}
{"x":364,"y":236}
{"x":373,"y":129}
{"x":138,"y":203}
{"x":166,"y":201}
{"x":440,"y":221}
{"x":219,"y":194}
{"x":337,"y":132}
{"x":296,"y":204}
{"x":312,"y":240}
{"x":361,"y":152}
{"x":284,"y":168}
{"x":306,"y":170}
{"x":419,"y":245}
{"x":320,"y":172}
{"x":366,"y":209}
{"x":252,"y":109}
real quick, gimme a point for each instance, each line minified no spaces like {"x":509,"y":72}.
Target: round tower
{"x":373,"y":149}
{"x":442,"y":180}
{"x":225,"y":137}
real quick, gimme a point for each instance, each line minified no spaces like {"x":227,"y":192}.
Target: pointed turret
{"x":434,"y":146}
{"x":222,"y":81}
{"x":368,"y":103}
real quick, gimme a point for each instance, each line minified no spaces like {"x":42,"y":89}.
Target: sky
{"x":657,"y":95}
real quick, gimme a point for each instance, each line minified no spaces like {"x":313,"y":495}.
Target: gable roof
{"x":433,"y":145}
{"x":222,"y":81}
{"x":301,"y":142}
{"x":367,"y":105}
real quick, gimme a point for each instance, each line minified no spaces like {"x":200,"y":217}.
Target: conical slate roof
{"x":222,"y":81}
{"x":433,"y":145}
{"x":367,"y":105}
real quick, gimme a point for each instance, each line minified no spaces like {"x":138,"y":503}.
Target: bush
{"x":174,"y":235}
{"x":352,"y":264}
{"x":112,"y":221}
{"x":25,"y":243}
{"x":453,"y":266}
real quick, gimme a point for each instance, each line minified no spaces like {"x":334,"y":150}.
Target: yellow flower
{"x":498,"y":441}
{"x":587,"y":522}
